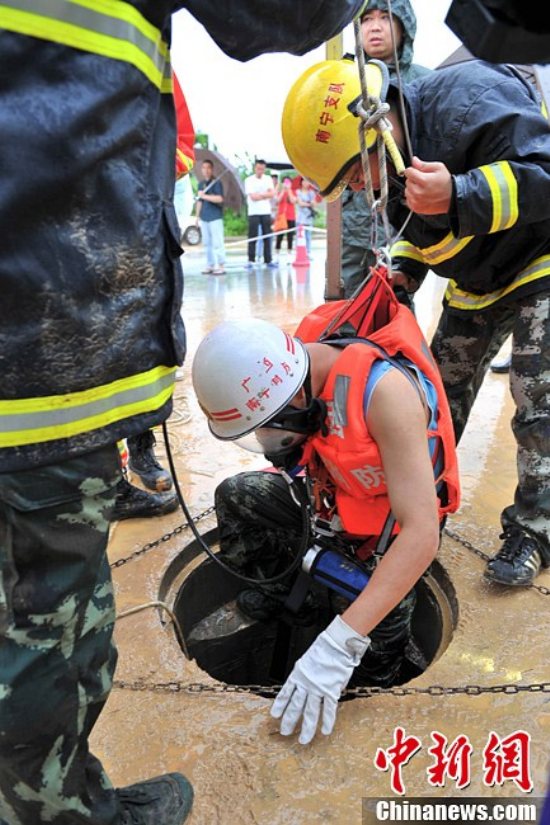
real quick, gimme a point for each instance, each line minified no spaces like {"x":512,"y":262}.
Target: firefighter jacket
{"x":485,"y":123}
{"x":90,"y":326}
{"x":345,"y":450}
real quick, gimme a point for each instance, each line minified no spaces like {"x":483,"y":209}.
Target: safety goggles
{"x":282,"y":433}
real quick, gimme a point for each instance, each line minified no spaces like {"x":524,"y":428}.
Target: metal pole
{"x":333,"y":263}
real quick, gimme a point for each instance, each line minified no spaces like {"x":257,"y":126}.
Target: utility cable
{"x":304,"y":509}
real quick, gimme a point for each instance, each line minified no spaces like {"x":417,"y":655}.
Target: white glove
{"x":318,"y":678}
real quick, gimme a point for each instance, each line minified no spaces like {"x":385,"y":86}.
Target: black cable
{"x":209,"y":552}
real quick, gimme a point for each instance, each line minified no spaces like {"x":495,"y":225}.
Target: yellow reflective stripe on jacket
{"x":432,"y":255}
{"x":504,"y":194}
{"x":404,"y":249}
{"x":35,"y":420}
{"x":110,"y":28}
{"x":445,"y":249}
{"x":457,"y":298}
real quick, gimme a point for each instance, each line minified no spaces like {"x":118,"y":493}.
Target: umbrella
{"x":233,"y":190}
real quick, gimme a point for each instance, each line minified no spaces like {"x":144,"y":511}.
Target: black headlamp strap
{"x":307,"y":384}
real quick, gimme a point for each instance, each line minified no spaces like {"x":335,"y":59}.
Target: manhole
{"x":237,"y":650}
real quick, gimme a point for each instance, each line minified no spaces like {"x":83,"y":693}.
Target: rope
{"x":372,"y":113}
{"x":245,"y":241}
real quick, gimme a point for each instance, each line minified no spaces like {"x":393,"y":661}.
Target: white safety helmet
{"x":245,"y":373}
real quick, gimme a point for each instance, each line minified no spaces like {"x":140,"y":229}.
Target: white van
{"x":184,"y":202}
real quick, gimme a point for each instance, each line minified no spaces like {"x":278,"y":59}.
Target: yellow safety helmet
{"x":320,"y":125}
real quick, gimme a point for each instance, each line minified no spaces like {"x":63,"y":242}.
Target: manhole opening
{"x":236,"y":650}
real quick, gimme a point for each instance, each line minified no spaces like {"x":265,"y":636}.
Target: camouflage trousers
{"x":56,"y":653}
{"x":463,"y":346}
{"x":260,"y":527}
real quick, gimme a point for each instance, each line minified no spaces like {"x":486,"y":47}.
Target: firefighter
{"x":369,"y":421}
{"x":477,"y":189}
{"x":91,"y":335}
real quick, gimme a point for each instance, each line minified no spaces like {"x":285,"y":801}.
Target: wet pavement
{"x":243,"y":771}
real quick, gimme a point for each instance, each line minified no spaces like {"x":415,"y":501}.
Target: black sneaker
{"x":143,"y":462}
{"x":131,"y":502}
{"x":164,"y":800}
{"x":518,"y":561}
{"x":501,"y":366}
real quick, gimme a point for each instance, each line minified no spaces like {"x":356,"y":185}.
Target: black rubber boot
{"x":518,"y":561}
{"x":143,"y":462}
{"x":131,"y":502}
{"x":164,"y":800}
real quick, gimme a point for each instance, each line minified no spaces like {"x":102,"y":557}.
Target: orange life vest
{"x":347,"y":452}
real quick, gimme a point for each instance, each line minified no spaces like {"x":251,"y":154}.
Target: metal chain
{"x":477,"y":552}
{"x":356,"y":692}
{"x":205,"y":513}
{"x":360,"y":691}
{"x":167,"y":536}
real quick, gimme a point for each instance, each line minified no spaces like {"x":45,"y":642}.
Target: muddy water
{"x":243,"y":771}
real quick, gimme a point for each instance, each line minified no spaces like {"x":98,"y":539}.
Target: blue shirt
{"x":211,"y":211}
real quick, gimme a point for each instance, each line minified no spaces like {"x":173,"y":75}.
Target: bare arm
{"x":397,"y":421}
{"x":257,"y":196}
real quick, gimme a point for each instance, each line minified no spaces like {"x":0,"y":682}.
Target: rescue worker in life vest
{"x":478,"y":191}
{"x":372,"y":426}
{"x":90,"y":338}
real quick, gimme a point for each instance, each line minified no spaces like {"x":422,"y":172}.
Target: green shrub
{"x":234,"y":223}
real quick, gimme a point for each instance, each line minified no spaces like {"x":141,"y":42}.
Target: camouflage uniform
{"x":56,"y":657}
{"x":260,"y":532}
{"x":463,"y":346}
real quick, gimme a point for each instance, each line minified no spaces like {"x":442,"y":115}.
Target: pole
{"x":333,"y":263}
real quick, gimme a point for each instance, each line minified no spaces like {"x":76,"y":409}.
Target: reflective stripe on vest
{"x":540,"y":268}
{"x":110,"y":28}
{"x":35,"y":420}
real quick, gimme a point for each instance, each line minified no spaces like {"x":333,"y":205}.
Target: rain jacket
{"x":90,"y":326}
{"x":345,"y":451}
{"x":356,"y":216}
{"x":486,"y":125}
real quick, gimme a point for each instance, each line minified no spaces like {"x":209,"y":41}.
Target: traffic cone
{"x":301,"y":258}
